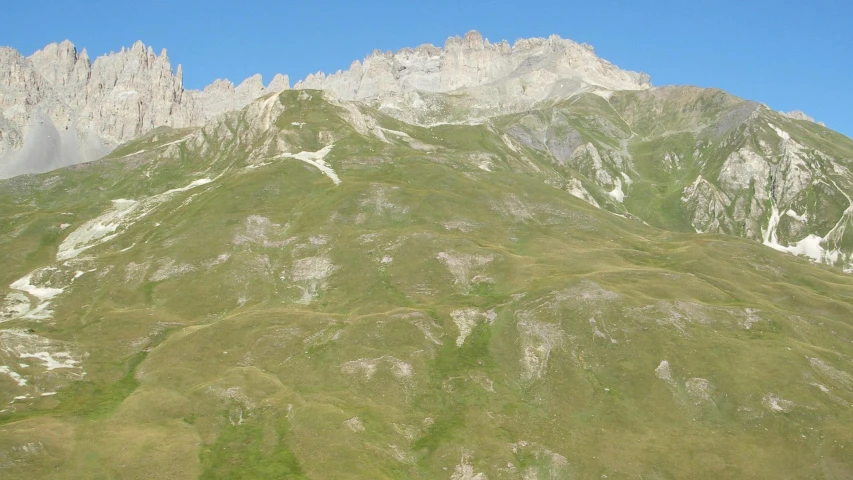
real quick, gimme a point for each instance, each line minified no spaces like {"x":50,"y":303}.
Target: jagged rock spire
{"x":119,"y":96}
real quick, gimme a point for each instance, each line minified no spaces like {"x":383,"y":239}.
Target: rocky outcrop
{"x":701,"y":160}
{"x":58,"y":108}
{"x":800,"y":115}
{"x":464,"y":63}
{"x":222,"y":96}
{"x":486,"y":79}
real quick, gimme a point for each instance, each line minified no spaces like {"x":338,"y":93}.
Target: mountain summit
{"x":57,"y":108}
{"x":493,"y":78}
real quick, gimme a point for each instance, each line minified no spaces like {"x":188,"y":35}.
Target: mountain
{"x":684,"y":159}
{"x":313,"y":287}
{"x":58,"y":108}
{"x":485,"y":79}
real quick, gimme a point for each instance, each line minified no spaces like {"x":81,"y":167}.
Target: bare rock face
{"x":58,"y":108}
{"x":487,"y":79}
{"x":130,"y":93}
{"x":222,"y":96}
{"x":801,"y":115}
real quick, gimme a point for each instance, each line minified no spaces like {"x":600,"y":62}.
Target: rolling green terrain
{"x":310,"y":289}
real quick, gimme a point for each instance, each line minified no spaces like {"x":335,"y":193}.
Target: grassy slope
{"x":238,"y":374}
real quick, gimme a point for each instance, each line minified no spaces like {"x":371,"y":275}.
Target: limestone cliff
{"x":483,"y":78}
{"x":58,"y":108}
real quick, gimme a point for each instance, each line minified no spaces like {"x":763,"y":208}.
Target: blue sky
{"x":787,"y":54}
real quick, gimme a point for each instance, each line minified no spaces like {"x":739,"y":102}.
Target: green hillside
{"x":309,"y":289}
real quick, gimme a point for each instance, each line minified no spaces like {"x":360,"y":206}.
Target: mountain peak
{"x":503,"y":78}
{"x":800,"y":115}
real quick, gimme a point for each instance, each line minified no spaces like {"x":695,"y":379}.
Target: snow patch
{"x":782,"y":134}
{"x":316,"y":159}
{"x":80,"y":273}
{"x":53,"y":355}
{"x":617,"y":193}
{"x":126,"y":93}
{"x":603,"y":93}
{"x":21,"y":381}
{"x":97,"y":230}
{"x":801,"y":218}
{"x":53,"y":361}
{"x":809,"y":247}
{"x":18,"y":305}
{"x":15,"y":305}
{"x":42,"y":293}
{"x":193,"y":184}
{"x":124,"y":213}
{"x":812,"y":245}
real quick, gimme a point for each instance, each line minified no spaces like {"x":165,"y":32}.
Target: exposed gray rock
{"x":222,"y":96}
{"x":800,"y":115}
{"x":488,"y":79}
{"x":733,"y":119}
{"x":58,"y":108}
{"x":472,"y":62}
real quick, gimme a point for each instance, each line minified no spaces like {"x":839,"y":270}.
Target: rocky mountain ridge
{"x":484,"y":79}
{"x":59,"y":108}
{"x":680,"y":158}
